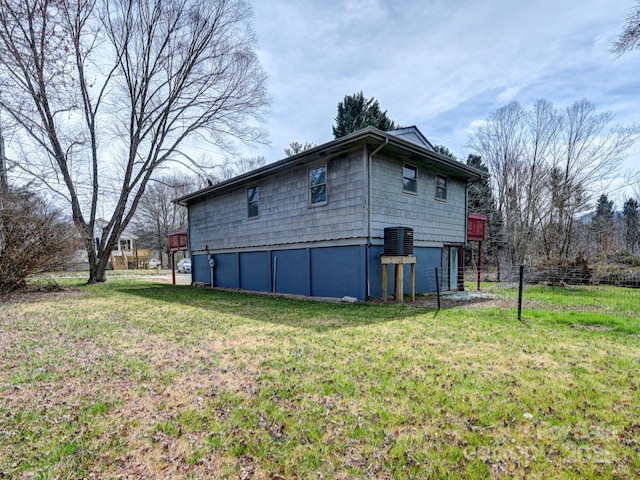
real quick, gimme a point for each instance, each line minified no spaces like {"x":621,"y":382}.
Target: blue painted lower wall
{"x":200,"y":271}
{"x":255,"y":268}
{"x":339,"y":272}
{"x":319,"y":272}
{"x":291,"y":271}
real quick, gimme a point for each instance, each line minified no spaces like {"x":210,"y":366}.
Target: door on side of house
{"x":453,"y":268}
{"x":450,"y":267}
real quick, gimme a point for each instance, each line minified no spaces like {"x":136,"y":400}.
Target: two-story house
{"x":313,"y":223}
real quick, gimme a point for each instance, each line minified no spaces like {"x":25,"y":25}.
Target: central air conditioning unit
{"x":398,"y":241}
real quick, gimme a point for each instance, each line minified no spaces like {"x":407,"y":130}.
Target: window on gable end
{"x":410,"y":178}
{"x":252,"y":202}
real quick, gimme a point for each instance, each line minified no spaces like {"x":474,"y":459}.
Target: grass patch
{"x":593,"y":307}
{"x":141,"y":379}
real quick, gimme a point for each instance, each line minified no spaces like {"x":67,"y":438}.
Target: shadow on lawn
{"x":280,"y":309}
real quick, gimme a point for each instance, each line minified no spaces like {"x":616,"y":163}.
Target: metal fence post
{"x":520,"y":283}
{"x":438,"y":288}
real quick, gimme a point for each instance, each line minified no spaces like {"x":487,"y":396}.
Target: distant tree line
{"x":547,"y":166}
{"x":614,"y":231}
{"x":158,"y":214}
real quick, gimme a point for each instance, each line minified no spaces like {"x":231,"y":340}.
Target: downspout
{"x":369,"y":215}
{"x":466,"y":212}
{"x":463,"y":250}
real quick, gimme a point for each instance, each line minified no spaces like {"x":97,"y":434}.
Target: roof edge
{"x":325,"y":149}
{"x":283,"y":163}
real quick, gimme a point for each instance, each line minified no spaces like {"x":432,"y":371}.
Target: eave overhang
{"x":371,"y":137}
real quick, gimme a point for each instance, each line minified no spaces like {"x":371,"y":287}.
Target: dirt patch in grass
{"x":590,"y":328}
{"x":465,"y":299}
{"x":290,"y":296}
{"x":40,"y":292}
{"x":447,"y":300}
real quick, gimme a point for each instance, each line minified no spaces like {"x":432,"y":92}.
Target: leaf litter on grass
{"x":136,"y":388}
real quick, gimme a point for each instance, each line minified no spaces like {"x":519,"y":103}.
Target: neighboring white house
{"x":125,"y":253}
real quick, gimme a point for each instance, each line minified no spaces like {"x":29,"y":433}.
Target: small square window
{"x":252,"y":202}
{"x":318,"y":185}
{"x":410,"y":179}
{"x":441,"y":188}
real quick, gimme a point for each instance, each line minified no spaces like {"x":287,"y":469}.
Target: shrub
{"x":34,"y":237}
{"x":554,"y":270}
{"x":624,"y":257}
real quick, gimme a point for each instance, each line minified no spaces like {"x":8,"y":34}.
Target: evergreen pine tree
{"x":602,"y":222}
{"x":442,"y":150}
{"x":356,"y":112}
{"x":480,"y":200}
{"x":631,"y":216}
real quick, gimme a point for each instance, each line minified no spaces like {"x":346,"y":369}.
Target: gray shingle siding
{"x":434,"y":221}
{"x":292,"y":247}
{"x":285,"y":217}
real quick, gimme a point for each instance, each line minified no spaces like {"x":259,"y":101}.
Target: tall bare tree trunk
{"x":108,"y":91}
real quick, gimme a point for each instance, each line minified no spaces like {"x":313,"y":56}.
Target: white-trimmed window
{"x":318,"y":185}
{"x":441,"y":187}
{"x":410,"y":178}
{"x":252,"y":202}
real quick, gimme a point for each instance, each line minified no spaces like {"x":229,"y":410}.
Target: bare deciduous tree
{"x":106,"y":92}
{"x":158,"y":215}
{"x":590,"y":154}
{"x":629,"y":39}
{"x":500,"y":142}
{"x":542,"y":126}
{"x":546,"y":166}
{"x":233,"y":168}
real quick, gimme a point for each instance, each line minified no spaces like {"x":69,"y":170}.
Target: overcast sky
{"x":442,"y":65}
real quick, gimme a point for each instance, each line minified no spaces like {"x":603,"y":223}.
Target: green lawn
{"x":600,"y":306}
{"x":133,"y":380}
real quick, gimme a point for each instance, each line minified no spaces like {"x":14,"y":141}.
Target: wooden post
{"x":399,"y":261}
{"x":413,"y":282}
{"x":400,"y":282}
{"x":385,"y":280}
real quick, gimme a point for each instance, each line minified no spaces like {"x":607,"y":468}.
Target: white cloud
{"x":508,"y":94}
{"x":441,"y":65}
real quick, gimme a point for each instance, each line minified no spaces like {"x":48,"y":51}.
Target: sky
{"x":442,"y":65}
